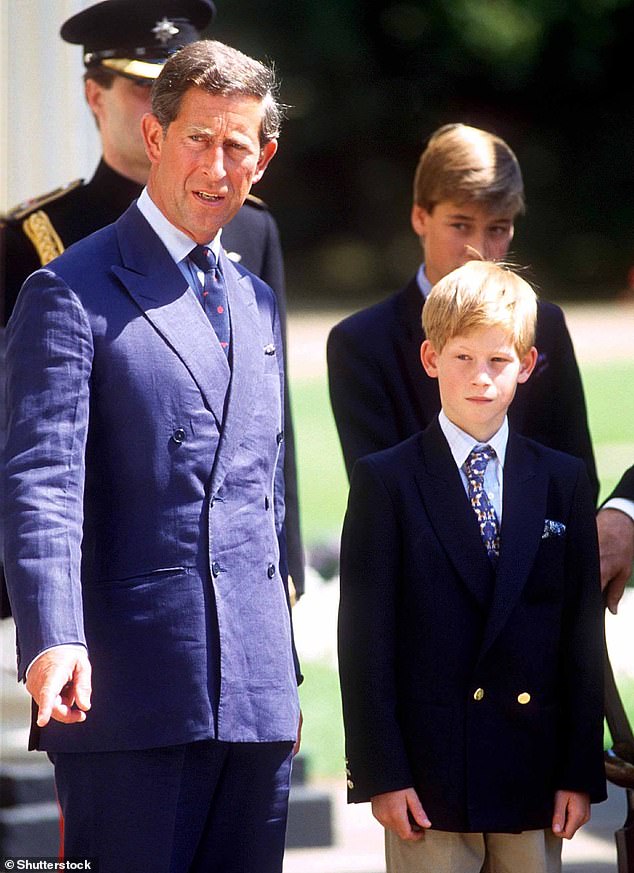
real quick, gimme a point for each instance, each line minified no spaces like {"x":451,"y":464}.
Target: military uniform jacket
{"x":144,"y":496}
{"x":381,"y":395}
{"x":481,"y":689}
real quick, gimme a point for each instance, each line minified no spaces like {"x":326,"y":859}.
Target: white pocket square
{"x":553,"y":529}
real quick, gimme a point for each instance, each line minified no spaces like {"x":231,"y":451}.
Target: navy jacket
{"x":145,"y":496}
{"x":381,"y":395}
{"x":481,"y":689}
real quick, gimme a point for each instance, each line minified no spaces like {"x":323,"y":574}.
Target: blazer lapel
{"x":247,"y":366}
{"x":159,"y":289}
{"x":451,"y":514}
{"x":424,"y":391}
{"x":524,"y":511}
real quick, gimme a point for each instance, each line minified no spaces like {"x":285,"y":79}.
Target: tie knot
{"x":479,"y":457}
{"x":203,"y":257}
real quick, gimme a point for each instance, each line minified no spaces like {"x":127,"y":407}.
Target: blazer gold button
{"x":215,"y":569}
{"x":478,"y":694}
{"x":271,"y":571}
{"x":524,"y":697}
{"x":179,"y":435}
{"x":350,"y":783}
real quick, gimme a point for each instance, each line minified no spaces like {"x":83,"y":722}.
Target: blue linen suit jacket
{"x":424,"y":623}
{"x":144,"y":496}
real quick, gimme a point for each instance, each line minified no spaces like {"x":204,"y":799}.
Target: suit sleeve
{"x":625,"y":488}
{"x":375,"y":752}
{"x":360,"y":400}
{"x":48,"y":360}
{"x":568,"y":429}
{"x":581,"y":765}
{"x":273,"y":274}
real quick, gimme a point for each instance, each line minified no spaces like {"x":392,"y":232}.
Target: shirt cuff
{"x":62,"y":646}
{"x":620,"y":503}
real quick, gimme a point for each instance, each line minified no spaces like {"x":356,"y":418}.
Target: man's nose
{"x":480,"y":243}
{"x":481,"y":375}
{"x":214,"y":164}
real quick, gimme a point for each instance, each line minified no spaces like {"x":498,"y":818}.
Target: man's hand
{"x":298,"y":741}
{"x":59,"y":682}
{"x":616,"y":548}
{"x":392,"y":809}
{"x":572,"y":810}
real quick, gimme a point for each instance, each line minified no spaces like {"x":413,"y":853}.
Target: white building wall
{"x":47,"y":135}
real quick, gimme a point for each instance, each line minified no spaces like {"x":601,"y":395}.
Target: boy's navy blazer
{"x":144,"y":496}
{"x":381,"y":395}
{"x":481,"y":689}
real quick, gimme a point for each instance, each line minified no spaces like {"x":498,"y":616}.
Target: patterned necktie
{"x":214,"y":294}
{"x":474,"y":467}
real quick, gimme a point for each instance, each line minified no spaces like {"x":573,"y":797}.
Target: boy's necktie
{"x":474,"y":467}
{"x":214,"y":294}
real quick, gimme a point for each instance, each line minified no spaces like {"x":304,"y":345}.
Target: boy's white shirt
{"x":461,"y":445}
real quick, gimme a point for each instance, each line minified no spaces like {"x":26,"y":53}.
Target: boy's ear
{"x":419,"y":218}
{"x":527,"y":365}
{"x":429,"y":359}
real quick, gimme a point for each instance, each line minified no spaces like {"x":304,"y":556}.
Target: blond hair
{"x":481,"y":294}
{"x":464,"y":164}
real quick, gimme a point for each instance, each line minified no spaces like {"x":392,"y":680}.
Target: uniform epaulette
{"x":252,"y":200}
{"x":23,"y":209}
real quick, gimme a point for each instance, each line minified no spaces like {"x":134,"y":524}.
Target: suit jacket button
{"x":478,"y":694}
{"x":350,"y":784}
{"x":215,"y":569}
{"x":280,"y":437}
{"x":524,"y":697}
{"x":179,"y":435}
{"x":271,"y":571}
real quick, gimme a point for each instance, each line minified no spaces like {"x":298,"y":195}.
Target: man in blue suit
{"x":145,"y":501}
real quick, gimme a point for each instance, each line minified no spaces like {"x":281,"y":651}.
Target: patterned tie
{"x":214,"y":294}
{"x":474,"y":467}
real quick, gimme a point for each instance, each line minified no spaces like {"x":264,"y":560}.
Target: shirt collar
{"x":177,"y":243}
{"x":423,"y":282}
{"x":462,"y":443}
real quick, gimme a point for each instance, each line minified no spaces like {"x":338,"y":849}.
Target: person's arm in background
{"x":615,"y":523}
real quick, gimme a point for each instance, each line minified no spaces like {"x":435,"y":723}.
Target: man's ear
{"x":152,"y":136}
{"x":266,"y":156}
{"x":419,"y":218}
{"x":527,"y":365}
{"x":429,"y":359}
{"x":93,"y":92}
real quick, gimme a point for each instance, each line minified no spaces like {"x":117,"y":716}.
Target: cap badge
{"x":164,"y":30}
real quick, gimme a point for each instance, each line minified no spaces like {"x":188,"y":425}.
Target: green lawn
{"x":323,"y":491}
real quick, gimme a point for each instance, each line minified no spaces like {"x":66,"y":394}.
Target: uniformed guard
{"x":125,"y":44}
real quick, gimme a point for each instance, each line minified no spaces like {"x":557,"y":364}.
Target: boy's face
{"x":477,"y":374}
{"x":447,"y":231}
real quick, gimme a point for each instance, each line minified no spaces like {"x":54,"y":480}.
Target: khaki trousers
{"x":445,"y":852}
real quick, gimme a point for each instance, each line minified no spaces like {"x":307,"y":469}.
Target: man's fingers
{"x":83,"y":685}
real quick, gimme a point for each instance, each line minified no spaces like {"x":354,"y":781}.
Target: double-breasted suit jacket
{"x":381,"y":395}
{"x":144,"y":496}
{"x":481,"y":689}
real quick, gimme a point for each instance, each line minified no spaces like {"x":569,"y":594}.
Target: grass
{"x":323,"y":493}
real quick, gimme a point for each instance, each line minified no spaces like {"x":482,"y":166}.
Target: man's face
{"x":449,"y":229}
{"x":477,"y":374}
{"x":119,"y":110}
{"x":205,"y":163}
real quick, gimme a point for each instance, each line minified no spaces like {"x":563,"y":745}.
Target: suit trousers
{"x":202,"y":807}
{"x":444,"y":852}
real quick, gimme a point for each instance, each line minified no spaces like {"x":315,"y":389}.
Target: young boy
{"x":470,"y":624}
{"x":468,"y":191}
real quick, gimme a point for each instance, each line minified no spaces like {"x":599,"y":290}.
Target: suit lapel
{"x":424,"y":391}
{"x":248,"y":363}
{"x":451,"y":514}
{"x":159,"y":289}
{"x":524,"y":511}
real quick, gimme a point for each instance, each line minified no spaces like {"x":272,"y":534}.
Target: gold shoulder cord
{"x":43,"y":235}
